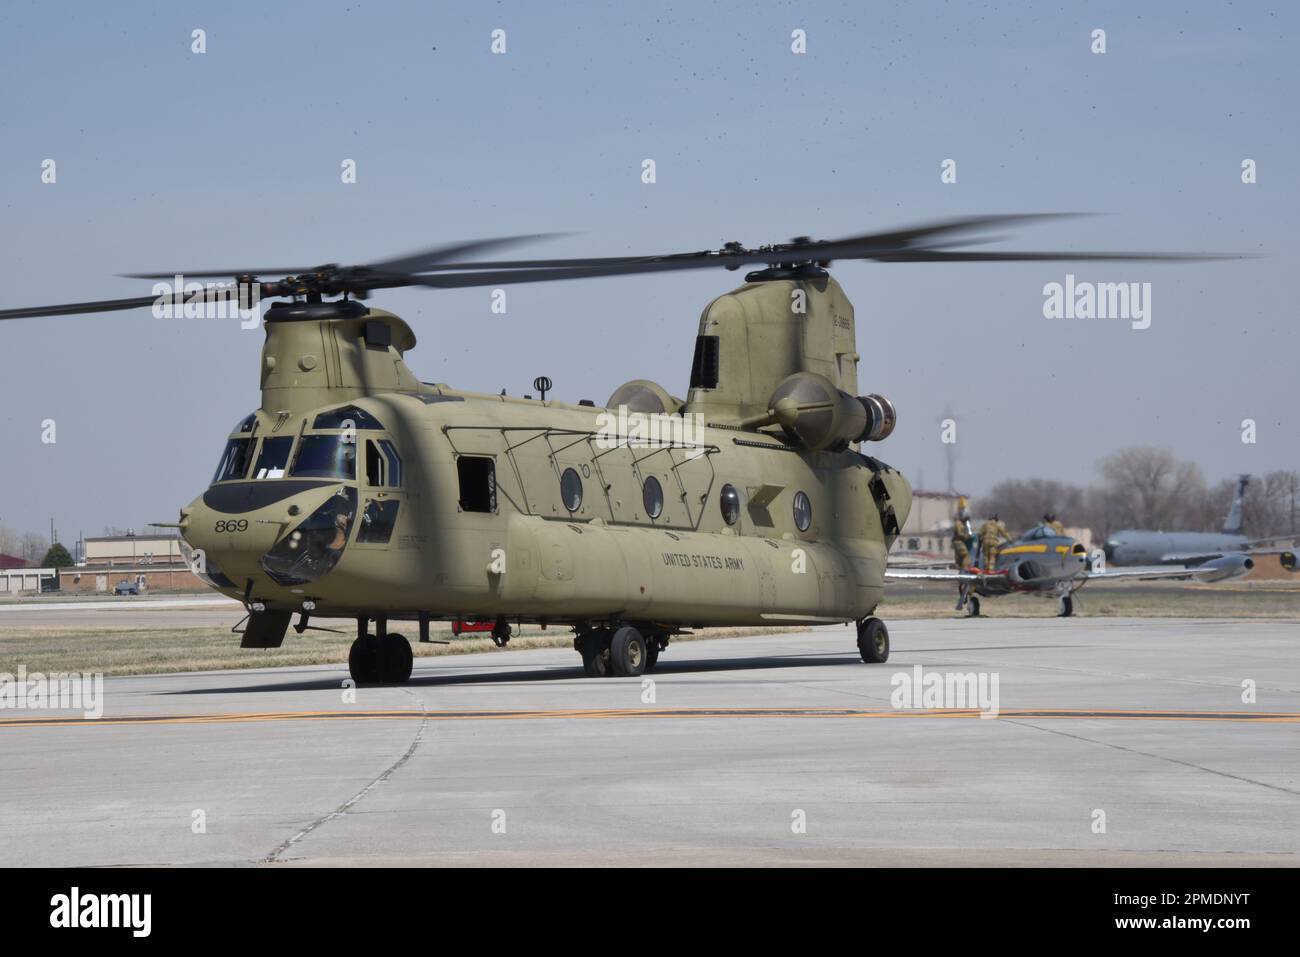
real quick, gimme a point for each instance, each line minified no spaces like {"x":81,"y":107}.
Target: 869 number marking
{"x":233,"y":525}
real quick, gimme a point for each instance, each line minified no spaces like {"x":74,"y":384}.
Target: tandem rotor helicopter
{"x":357,"y":491}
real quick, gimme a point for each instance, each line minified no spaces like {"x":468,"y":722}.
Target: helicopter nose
{"x":289,"y":533}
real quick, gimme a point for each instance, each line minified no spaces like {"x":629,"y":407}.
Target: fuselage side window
{"x":478,"y":483}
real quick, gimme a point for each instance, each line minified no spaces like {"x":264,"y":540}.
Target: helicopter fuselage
{"x":456,"y":505}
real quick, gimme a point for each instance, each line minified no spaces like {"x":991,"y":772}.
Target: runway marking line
{"x":57,"y":721}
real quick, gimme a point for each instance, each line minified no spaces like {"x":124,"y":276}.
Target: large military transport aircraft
{"x":1133,"y":546}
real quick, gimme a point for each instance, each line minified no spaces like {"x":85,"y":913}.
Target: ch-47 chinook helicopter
{"x":357,"y":491}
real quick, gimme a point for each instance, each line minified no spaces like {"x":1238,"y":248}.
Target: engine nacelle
{"x":1290,"y":561}
{"x":1224,"y":568}
{"x":817,"y":415}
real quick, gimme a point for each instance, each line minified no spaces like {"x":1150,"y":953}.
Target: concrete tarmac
{"x":1118,"y":741}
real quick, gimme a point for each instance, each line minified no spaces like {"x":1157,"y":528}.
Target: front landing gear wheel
{"x":373,"y":661}
{"x":873,"y":641}
{"x":627,"y":653}
{"x":594,"y":647}
{"x":972,"y":607}
{"x":397,"y":660}
{"x":363,"y":661}
{"x":1065,"y":607}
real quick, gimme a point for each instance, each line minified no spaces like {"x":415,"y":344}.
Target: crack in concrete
{"x":1158,"y":757}
{"x":275,"y":856}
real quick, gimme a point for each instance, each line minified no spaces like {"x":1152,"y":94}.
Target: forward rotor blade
{"x":113,"y":305}
{"x":410,"y":263}
{"x":429,"y":258}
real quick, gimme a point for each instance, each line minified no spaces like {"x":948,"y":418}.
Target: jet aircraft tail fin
{"x":1232,"y":524}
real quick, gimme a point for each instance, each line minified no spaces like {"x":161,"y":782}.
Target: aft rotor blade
{"x":866,"y":245}
{"x":980,"y":256}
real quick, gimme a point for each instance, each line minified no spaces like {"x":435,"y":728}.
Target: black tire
{"x":873,"y":641}
{"x":398,"y":660}
{"x":627,"y":653}
{"x":594,"y":647}
{"x":363,"y":660}
{"x":651,"y":654}
{"x":972,"y":607}
{"x":1066,"y":607}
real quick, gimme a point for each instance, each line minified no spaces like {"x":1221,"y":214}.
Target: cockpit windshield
{"x":274,"y":457}
{"x":326,"y":456}
{"x":234,"y":460}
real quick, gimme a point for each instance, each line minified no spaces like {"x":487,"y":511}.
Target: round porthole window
{"x":729,"y":502}
{"x":571,"y":490}
{"x":802,"y":511}
{"x":652,"y":497}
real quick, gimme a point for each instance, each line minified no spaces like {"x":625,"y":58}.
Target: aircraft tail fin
{"x":1232,"y":524}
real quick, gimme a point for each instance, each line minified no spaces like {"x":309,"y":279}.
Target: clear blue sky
{"x":170,"y":159}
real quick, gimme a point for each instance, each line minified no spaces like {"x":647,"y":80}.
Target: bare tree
{"x":1145,"y":487}
{"x":33,"y":546}
{"x":1022,"y":503}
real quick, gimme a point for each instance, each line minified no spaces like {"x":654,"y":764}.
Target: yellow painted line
{"x":262,"y":717}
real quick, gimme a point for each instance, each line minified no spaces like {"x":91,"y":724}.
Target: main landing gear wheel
{"x":651,"y":653}
{"x":373,"y":661}
{"x":1065,"y":607}
{"x":873,"y":641}
{"x":627,"y":653}
{"x":972,"y":607}
{"x":594,"y":647}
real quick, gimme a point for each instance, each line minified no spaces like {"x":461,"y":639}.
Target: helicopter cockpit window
{"x":374,"y":464}
{"x":247,"y":424}
{"x":326,"y":456}
{"x":274,"y":457}
{"x":394,"y":462}
{"x":377,"y":521}
{"x":234,"y":460}
{"x":346,"y":417}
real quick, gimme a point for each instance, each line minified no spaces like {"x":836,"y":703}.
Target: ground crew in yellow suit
{"x":963,"y":537}
{"x":993,"y":535}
